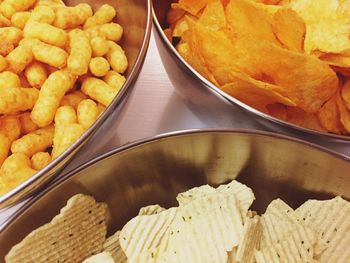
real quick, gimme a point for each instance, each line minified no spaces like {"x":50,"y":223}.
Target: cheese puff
{"x":103,"y":15}
{"x":15,"y":170}
{"x":51,"y":3}
{"x":46,"y":33}
{"x":9,"y":79}
{"x":48,"y":54}
{"x":4,"y":22}
{"x":73,"y":99}
{"x":9,"y":7}
{"x":36,"y":74}
{"x":80,"y":54}
{"x":6,"y":47}
{"x":71,"y":17}
{"x":65,"y":115}
{"x":40,"y":160}
{"x":3,"y":63}
{"x":99,"y":66}
{"x":87,"y":113}
{"x":99,"y":46}
{"x":42,"y":14}
{"x":5,"y":145}
{"x":110,"y":31}
{"x":14,"y":100}
{"x":114,"y":79}
{"x":11,"y":35}
{"x":101,"y":108}
{"x":26,"y":123}
{"x":72,"y":133}
{"x":98,"y":90}
{"x":20,"y":19}
{"x":51,"y":93}
{"x":117,"y":58}
{"x":24,"y":81}
{"x":11,"y":127}
{"x":19,"y":58}
{"x":36,"y":141}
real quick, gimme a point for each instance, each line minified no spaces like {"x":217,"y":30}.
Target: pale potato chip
{"x":252,"y":233}
{"x":151,"y":210}
{"x":145,"y":233}
{"x":289,"y":29}
{"x":331,"y":220}
{"x":61,"y":239}
{"x":112,"y":246}
{"x":205,"y":229}
{"x":103,"y":257}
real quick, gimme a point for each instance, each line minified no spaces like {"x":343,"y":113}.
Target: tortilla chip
{"x":289,"y":29}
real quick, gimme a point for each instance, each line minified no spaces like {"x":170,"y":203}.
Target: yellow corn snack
{"x":110,"y":31}
{"x":65,"y":135}
{"x":9,"y":79}
{"x":70,"y":17}
{"x":99,"y":46}
{"x":15,"y":169}
{"x":5,"y":145}
{"x":103,"y":15}
{"x":50,"y":3}
{"x":3,"y":63}
{"x":98,"y":90}
{"x":117,"y":58}
{"x":99,"y":66}
{"x":87,"y":113}
{"x":51,"y":93}
{"x":80,"y":55}
{"x":36,"y":74}
{"x":9,"y":7}
{"x":46,"y":33}
{"x":14,"y":100}
{"x":19,"y":58}
{"x":20,"y":19}
{"x":36,"y":141}
{"x":4,"y":22}
{"x":101,"y":108}
{"x":73,"y":99}
{"x":114,"y":79}
{"x":11,"y":127}
{"x":40,"y":160}
{"x":26,"y":123}
{"x":24,"y":81}
{"x":11,"y":35}
{"x":48,"y":54}
{"x":42,"y":14}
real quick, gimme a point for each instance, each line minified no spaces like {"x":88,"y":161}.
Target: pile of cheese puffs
{"x":60,"y":67}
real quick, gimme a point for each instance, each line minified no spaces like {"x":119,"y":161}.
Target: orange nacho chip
{"x":301,"y":118}
{"x":329,"y":117}
{"x":278,"y":111}
{"x":344,"y":113}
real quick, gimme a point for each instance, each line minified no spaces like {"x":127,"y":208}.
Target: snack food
{"x":209,"y":225}
{"x":46,"y":50}
{"x":275,"y":56}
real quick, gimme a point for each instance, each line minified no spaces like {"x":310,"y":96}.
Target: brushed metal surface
{"x":156,"y":169}
{"x":181,"y":72}
{"x":135,"y":17}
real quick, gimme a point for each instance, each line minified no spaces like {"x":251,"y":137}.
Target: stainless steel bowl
{"x":191,"y":85}
{"x":135,"y":17}
{"x":155,"y":170}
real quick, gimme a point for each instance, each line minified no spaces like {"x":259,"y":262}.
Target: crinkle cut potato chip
{"x":290,"y":53}
{"x":103,"y":257}
{"x":60,"y":240}
{"x":331,"y":221}
{"x":112,"y":246}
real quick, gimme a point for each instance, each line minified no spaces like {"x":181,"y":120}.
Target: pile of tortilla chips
{"x":286,"y":58}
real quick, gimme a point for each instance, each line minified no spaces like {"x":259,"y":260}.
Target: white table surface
{"x":153,"y":107}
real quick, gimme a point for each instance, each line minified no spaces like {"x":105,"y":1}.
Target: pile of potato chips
{"x":60,"y":67}
{"x":209,"y":225}
{"x":286,"y":58}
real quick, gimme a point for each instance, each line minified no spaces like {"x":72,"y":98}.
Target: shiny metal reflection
{"x":155,"y":170}
{"x":191,"y":85}
{"x":135,"y":17}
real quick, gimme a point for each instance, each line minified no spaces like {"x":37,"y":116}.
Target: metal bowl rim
{"x":213,"y":88}
{"x":118,"y":100}
{"x":159,"y":137}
